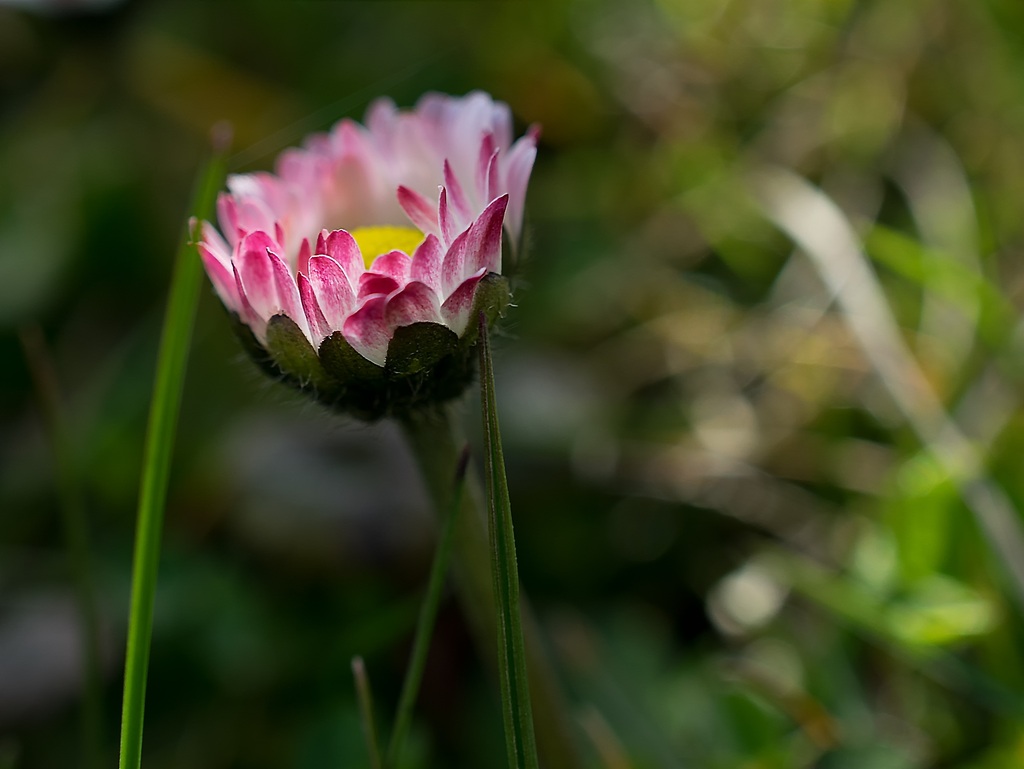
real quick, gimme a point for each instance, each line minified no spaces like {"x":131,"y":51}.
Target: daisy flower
{"x":354,"y":269}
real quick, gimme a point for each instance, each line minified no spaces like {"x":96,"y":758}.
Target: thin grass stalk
{"x":515,"y":686}
{"x":163,"y":416}
{"x":427,"y":618}
{"x":76,"y":536}
{"x":364,"y":695}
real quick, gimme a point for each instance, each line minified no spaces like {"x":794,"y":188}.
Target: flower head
{"x":355,"y":268}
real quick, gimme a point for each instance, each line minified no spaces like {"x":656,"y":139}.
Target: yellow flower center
{"x":374,"y":241}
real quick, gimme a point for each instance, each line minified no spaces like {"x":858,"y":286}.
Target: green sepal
{"x":492,"y":299}
{"x":427,"y":364}
{"x":418,"y":348}
{"x":294,"y":355}
{"x":344,"y":365}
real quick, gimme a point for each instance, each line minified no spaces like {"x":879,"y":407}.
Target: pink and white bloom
{"x":369,"y":228}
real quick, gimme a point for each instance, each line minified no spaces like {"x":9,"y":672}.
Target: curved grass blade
{"x":163,"y":417}
{"x":428,"y":616}
{"x":365,"y":697}
{"x":515,"y":689}
{"x":823,"y":232}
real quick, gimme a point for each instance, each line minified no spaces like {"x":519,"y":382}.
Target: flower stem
{"x":436,"y":440}
{"x":163,"y":417}
{"x":428,"y":616}
{"x":515,"y":686}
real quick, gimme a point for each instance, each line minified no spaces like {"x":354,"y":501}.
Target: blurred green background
{"x":760,"y":391}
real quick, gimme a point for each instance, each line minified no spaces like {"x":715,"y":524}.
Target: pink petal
{"x":318,"y":144}
{"x":478,"y":115}
{"x":222,"y":277}
{"x":356,"y":181}
{"x":426,"y":262}
{"x":253,"y":214}
{"x":332,"y":289}
{"x":479,"y":247}
{"x":415,"y":303}
{"x":266,"y":281}
{"x":517,"y":175}
{"x":215,"y":242}
{"x":420,"y":212}
{"x":302,"y":262}
{"x":501,"y":122}
{"x":446,"y":219}
{"x":452,"y":266}
{"x":457,"y":125}
{"x":296,"y":167}
{"x":459,"y":306}
{"x":367,"y":331}
{"x":246,"y":311}
{"x":395,"y":264}
{"x":228,"y":217}
{"x":287,"y":292}
{"x":342,"y":247}
{"x":483,"y":247}
{"x":216,"y":256}
{"x":319,"y":328}
{"x":256,"y":185}
{"x":257,"y":274}
{"x":456,"y":197}
{"x":381,"y":117}
{"x":492,"y":182}
{"x":370,"y":283}
{"x":348,"y":138}
{"x":483,"y":162}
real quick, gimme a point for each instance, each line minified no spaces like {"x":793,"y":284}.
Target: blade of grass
{"x":428,"y":616}
{"x":365,"y":697}
{"x":821,"y":229}
{"x":76,"y":535}
{"x":163,"y":417}
{"x":515,"y":688}
{"x":939,"y":198}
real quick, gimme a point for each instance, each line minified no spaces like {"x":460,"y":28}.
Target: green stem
{"x":515,"y":687}
{"x":428,"y":616}
{"x":76,"y":536}
{"x":365,"y":697}
{"x":436,"y":441}
{"x":163,"y":417}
